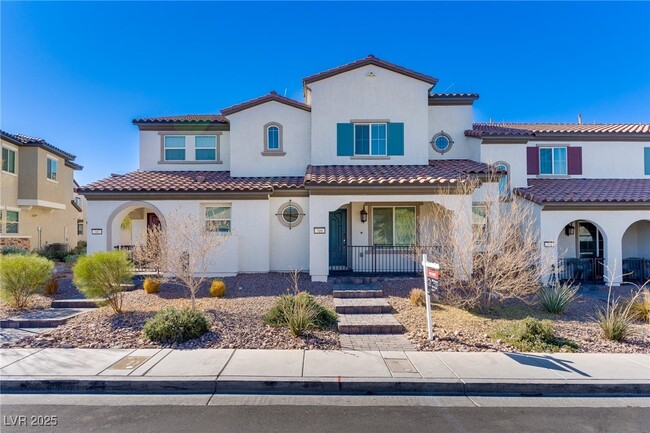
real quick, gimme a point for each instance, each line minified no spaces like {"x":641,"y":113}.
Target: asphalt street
{"x":266,"y":413}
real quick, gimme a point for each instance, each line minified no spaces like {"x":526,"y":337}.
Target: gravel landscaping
{"x":236,"y":319}
{"x":462,"y":331}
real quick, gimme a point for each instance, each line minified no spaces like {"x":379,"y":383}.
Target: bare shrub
{"x":182,"y":251}
{"x":417,"y":297}
{"x":489,"y":259}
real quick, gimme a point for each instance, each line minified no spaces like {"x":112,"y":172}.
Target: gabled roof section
{"x":188,"y":182}
{"x":271,"y":97}
{"x":370,"y":60}
{"x":544,"y":130}
{"x":26,"y":140}
{"x":452,"y":98}
{"x":437,"y":172}
{"x":585,"y":191}
{"x":184,"y":119}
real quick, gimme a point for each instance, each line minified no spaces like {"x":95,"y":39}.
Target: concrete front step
{"x":50,"y":318}
{"x":369,"y":324}
{"x":75,"y":303}
{"x":358,"y":294}
{"x":362,"y":306}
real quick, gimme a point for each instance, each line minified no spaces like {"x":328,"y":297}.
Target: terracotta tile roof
{"x":272,"y":96}
{"x":189,"y":181}
{"x":26,"y":140}
{"x":586,"y":191}
{"x":454,"y":95}
{"x":452,"y":98}
{"x":437,"y":172}
{"x":534,"y":129}
{"x":370,"y":60}
{"x":185,"y":119}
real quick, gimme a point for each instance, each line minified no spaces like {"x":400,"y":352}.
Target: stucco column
{"x":613,"y":256}
{"x":318,"y":242}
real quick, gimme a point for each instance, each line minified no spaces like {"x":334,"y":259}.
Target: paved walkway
{"x":229,"y":370}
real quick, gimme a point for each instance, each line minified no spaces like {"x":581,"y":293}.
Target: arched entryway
{"x":636,"y":252}
{"x":129,"y":222}
{"x":581,"y":247}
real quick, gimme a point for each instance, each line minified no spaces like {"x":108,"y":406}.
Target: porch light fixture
{"x":364,"y":215}
{"x":569,"y":230}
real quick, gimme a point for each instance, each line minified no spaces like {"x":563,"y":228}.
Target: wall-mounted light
{"x":569,"y":230}
{"x":364,"y":215}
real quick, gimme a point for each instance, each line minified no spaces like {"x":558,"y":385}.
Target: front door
{"x":338,"y":252}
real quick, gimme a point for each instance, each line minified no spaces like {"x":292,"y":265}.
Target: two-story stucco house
{"x":338,"y":182}
{"x":39,"y":204}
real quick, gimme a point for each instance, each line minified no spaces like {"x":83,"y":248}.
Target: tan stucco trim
{"x":40,"y":203}
{"x":191,"y":161}
{"x":504,"y":140}
{"x":273,"y":152}
{"x":290,"y":193}
{"x":369,"y":120}
{"x":370,"y":157}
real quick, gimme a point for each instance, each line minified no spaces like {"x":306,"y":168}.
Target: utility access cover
{"x":129,"y":363}
{"x":400,"y":366}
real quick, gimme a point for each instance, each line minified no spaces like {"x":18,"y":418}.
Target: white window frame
{"x":47,"y":169}
{"x":206,"y":219}
{"x":15,"y":151}
{"x":174,"y":148}
{"x":216,"y":145}
{"x":484,"y":224}
{"x":415,"y":219}
{"x":566,"y":160}
{"x":354,"y":138}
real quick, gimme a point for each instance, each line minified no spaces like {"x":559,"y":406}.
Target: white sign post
{"x":431,"y":274}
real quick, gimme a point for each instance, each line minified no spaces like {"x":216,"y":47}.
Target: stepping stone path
{"x":365,"y":319}
{"x":36,"y":322}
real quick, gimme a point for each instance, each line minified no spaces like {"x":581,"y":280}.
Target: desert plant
{"x":51,"y":287}
{"x":21,"y":276}
{"x":488,"y":254}
{"x":616,"y":318}
{"x":641,"y":306}
{"x":151,"y":285}
{"x":418,"y":297}
{"x":103,"y":274}
{"x":182,"y":250}
{"x":171,"y":325}
{"x":556,"y":298}
{"x":13,"y":250}
{"x":299,"y":313}
{"x":533,"y":335}
{"x":218,"y":288}
{"x":71,"y":258}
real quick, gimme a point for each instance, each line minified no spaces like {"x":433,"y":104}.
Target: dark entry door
{"x":152,"y":220}
{"x":338,"y":252}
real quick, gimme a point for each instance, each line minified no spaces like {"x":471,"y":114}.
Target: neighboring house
{"x":340,"y":181}
{"x":39,"y":205}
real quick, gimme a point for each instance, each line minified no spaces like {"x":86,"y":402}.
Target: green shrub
{"x":556,"y":298}
{"x":533,"y":335}
{"x":102,"y":275}
{"x":71,"y":258}
{"x":418,"y":297}
{"x":21,"y":276}
{"x":616,"y":319}
{"x":300,"y":313}
{"x":641,"y":306}
{"x":170,"y":325}
{"x":13,"y":250}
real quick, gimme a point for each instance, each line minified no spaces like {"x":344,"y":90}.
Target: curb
{"x":358,"y":386}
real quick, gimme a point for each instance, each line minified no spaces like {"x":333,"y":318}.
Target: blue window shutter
{"x":646,"y":159}
{"x":344,"y":139}
{"x":395,"y":139}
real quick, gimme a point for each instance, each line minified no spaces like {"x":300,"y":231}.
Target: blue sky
{"x":77,"y":73}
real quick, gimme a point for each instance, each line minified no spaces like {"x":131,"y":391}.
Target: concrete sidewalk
{"x":313,"y":371}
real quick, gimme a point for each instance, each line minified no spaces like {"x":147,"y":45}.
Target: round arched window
{"x":290,"y":214}
{"x":441,"y":142}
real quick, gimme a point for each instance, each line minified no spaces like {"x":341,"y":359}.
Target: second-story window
{"x":370,"y":139}
{"x":8,"y":160}
{"x":174,"y":148}
{"x":273,"y":137}
{"x":51,"y":168}
{"x":552,"y":160}
{"x":205,"y":147}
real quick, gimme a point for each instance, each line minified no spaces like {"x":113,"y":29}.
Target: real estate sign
{"x":431,"y":273}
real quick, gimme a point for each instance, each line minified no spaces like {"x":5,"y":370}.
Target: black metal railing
{"x":387,"y":259}
{"x":583,"y":269}
{"x":636,"y":270}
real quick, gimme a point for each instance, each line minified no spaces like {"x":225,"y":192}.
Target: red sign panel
{"x":433,"y":273}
